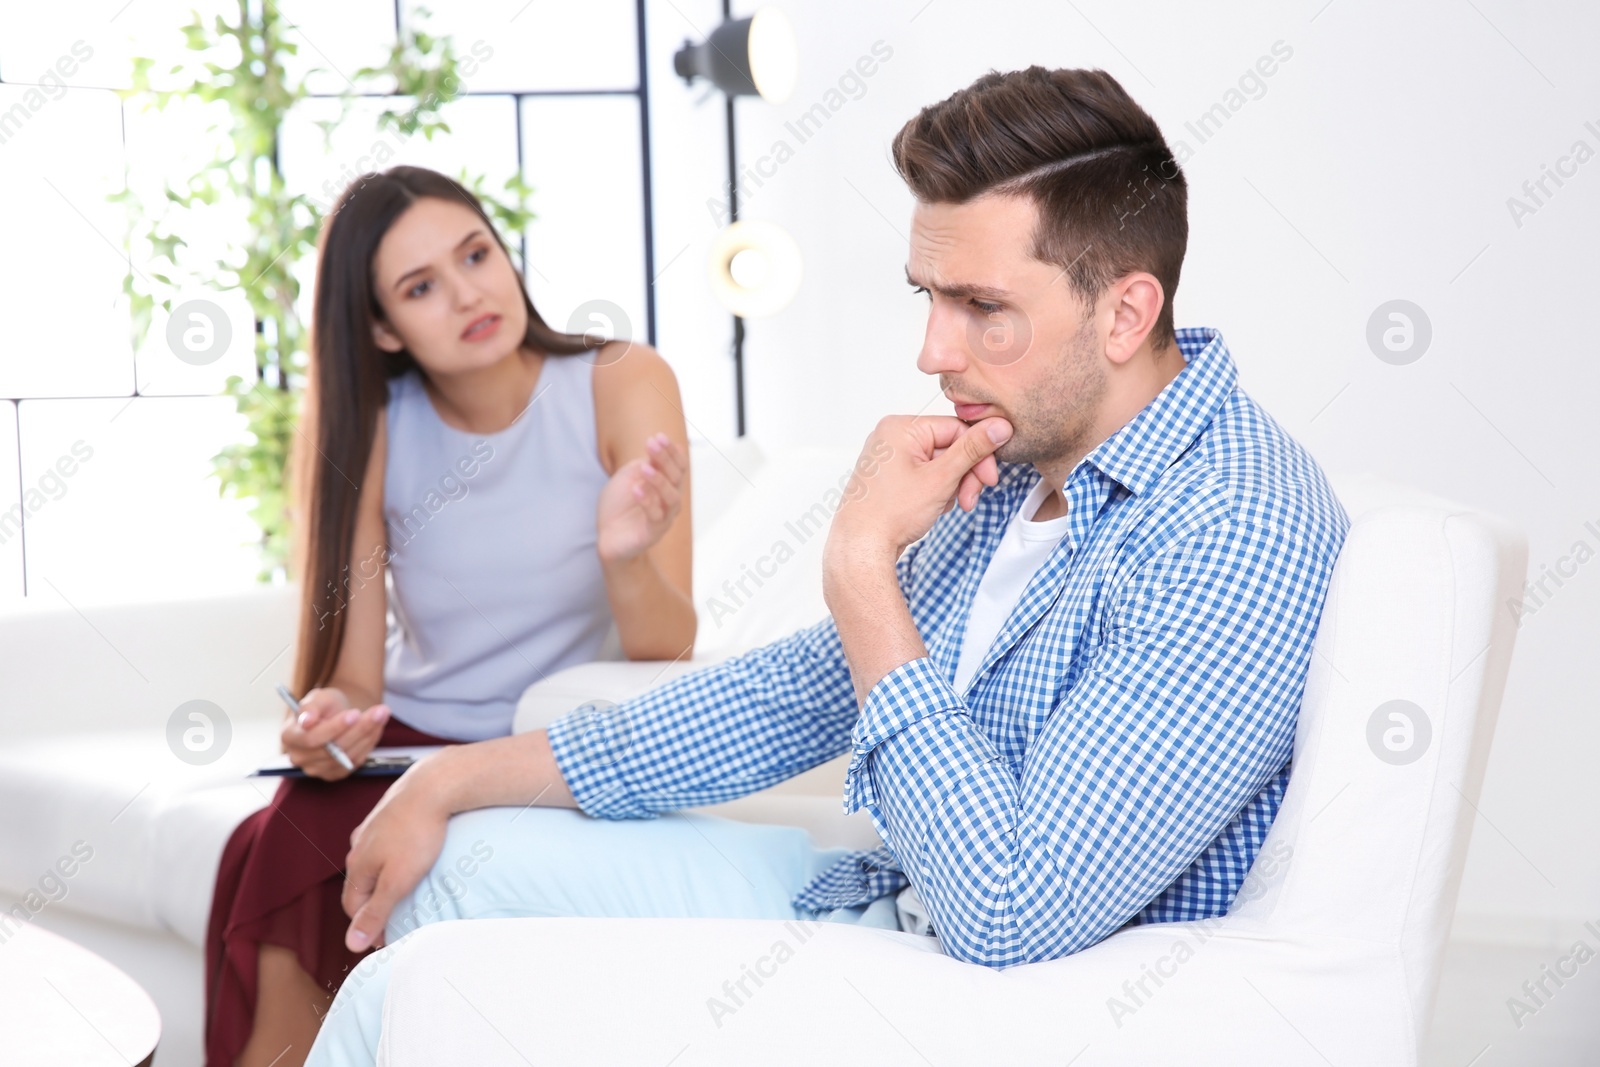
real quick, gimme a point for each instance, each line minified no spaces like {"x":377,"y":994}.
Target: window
{"x":106,"y":490}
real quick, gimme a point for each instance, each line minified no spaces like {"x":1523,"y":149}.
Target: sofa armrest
{"x":640,"y":990}
{"x":548,"y":699}
{"x":554,"y":990}
{"x":792,"y":803}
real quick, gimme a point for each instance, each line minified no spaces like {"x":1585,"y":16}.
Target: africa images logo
{"x":1399,"y":732}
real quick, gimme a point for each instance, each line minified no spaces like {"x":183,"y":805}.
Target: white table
{"x":60,"y":1003}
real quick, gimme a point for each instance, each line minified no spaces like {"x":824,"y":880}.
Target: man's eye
{"x":982,"y":306}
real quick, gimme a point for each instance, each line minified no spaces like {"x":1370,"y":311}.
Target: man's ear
{"x":385,"y":338}
{"x":1136,"y":302}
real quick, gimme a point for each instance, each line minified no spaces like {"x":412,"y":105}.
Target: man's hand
{"x":400,"y":841}
{"x":390,"y":852}
{"x":911,"y":471}
{"x":933,"y":463}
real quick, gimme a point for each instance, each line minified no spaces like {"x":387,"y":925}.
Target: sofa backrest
{"x":718,"y":474}
{"x":66,"y":668}
{"x":1410,"y":662}
{"x":758,"y":566}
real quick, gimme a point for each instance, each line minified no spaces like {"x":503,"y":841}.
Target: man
{"x":1071,"y":700}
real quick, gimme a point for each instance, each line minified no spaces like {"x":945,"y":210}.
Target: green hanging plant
{"x":239,"y":73}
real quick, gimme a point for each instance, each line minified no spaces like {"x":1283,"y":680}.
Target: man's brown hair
{"x":1110,"y":196}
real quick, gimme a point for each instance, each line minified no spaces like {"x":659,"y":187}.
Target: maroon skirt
{"x":279,"y":883}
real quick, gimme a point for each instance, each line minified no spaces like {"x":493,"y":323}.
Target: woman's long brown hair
{"x":347,"y":386}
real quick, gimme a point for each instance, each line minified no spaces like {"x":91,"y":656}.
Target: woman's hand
{"x":326,"y":715}
{"x":640,"y":501}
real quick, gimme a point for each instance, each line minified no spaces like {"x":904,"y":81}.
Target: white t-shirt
{"x":1021,"y":552}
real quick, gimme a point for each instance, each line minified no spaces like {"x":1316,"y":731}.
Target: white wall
{"x":1376,"y":165}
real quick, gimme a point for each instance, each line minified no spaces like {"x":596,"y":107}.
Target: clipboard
{"x":382,"y":763}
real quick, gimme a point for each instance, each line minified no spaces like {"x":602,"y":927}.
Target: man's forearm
{"x":918,"y":469}
{"x":869,"y":610}
{"x":515,"y":771}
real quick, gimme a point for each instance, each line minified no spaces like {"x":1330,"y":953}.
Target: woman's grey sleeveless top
{"x":493,"y":580}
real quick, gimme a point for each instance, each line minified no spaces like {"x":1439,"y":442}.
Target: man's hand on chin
{"x":932,"y":464}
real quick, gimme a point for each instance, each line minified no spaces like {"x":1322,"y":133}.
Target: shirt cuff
{"x":589,"y":743}
{"x":911,"y":692}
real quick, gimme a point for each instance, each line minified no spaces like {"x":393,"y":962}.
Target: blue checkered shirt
{"x":1124,"y":745}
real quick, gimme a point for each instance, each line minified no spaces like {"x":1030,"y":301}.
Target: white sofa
{"x":1352,"y":917}
{"x":1331,"y":953}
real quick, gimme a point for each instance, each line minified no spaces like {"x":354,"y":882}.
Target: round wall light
{"x":755,"y":268}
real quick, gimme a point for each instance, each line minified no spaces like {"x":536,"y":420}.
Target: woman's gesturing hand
{"x":326,"y":715}
{"x":641,"y":500}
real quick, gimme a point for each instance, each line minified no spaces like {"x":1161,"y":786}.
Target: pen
{"x":333,"y":750}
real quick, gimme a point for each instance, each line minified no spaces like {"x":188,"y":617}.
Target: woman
{"x":522,"y":492}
